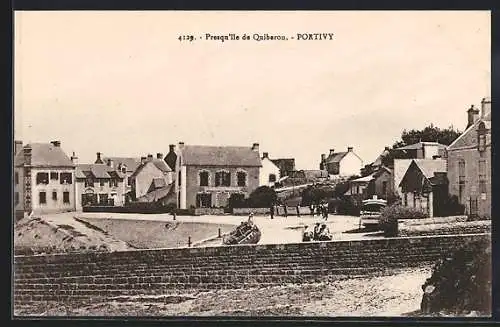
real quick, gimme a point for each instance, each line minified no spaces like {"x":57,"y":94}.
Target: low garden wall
{"x":451,"y":228}
{"x":88,"y":276}
{"x":292,"y":211}
{"x":208,"y":211}
{"x":247,"y":211}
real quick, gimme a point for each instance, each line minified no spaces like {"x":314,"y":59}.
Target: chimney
{"x":159,"y":155}
{"x":485,"y":106}
{"x":332,"y":151}
{"x":74,"y":159}
{"x":172,"y":147}
{"x":181,"y":145}
{"x":18,"y":146}
{"x":349,"y":149}
{"x":27,"y":155}
{"x":110,"y":163}
{"x":323,"y":157}
{"x":143,"y":160}
{"x":98,"y":160}
{"x":265,"y":155}
{"x":56,"y":143}
{"x":387,"y":148}
{"x":472,"y":115}
{"x":255,"y":147}
{"x":150,"y":157}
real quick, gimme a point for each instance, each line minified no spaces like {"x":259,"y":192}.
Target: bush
{"x":236,"y":200}
{"x":390,"y":215}
{"x":347,"y":205}
{"x":461,"y":282}
{"x":262,"y":197}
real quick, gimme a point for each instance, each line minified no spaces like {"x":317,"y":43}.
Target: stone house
{"x":341,"y":164}
{"x":126,"y":165}
{"x":208,"y":175}
{"x":99,"y":184}
{"x":424,"y":185}
{"x":152,"y":174}
{"x":469,"y":162}
{"x":43,"y":179}
{"x":379,"y":183}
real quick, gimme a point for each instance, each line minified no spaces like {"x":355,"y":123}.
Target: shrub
{"x":262,"y":197}
{"x":461,"y":282}
{"x":236,"y":200}
{"x":390,"y":215}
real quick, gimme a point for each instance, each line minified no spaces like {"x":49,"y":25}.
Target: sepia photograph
{"x":320,"y":164}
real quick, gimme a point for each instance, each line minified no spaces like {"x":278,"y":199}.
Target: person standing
{"x":298,"y":211}
{"x":272,"y":211}
{"x":286,"y":211}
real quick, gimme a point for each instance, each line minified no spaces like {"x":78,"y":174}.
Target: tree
{"x":430,"y":133}
{"x":262,"y":197}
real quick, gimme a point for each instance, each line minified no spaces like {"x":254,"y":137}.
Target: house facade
{"x":43,"y":179}
{"x":152,"y":174}
{"x":126,"y":165}
{"x":341,"y":164}
{"x":269,"y":172}
{"x":425,"y":185}
{"x":379,"y":183}
{"x":469,"y":163}
{"x":99,"y":185}
{"x":208,"y":175}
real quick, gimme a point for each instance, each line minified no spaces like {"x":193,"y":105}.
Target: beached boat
{"x":246,"y":233}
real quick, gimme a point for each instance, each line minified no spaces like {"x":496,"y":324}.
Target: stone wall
{"x":102,"y":275}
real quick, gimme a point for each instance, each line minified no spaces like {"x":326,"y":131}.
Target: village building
{"x":419,"y":152}
{"x":99,"y":185}
{"x":379,"y":183}
{"x":269,"y":172}
{"x":208,"y":175}
{"x":126,"y":165}
{"x":469,"y":162}
{"x":425,"y":186}
{"x":341,"y":164}
{"x":151,"y":175}
{"x":285,"y":165}
{"x":43,"y":179}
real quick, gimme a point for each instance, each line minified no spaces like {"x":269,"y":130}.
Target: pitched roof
{"x":158,"y":194}
{"x":44,"y":155}
{"x":158,"y":163}
{"x":97,"y":171}
{"x":158,"y":183}
{"x":336,"y":157}
{"x":487,"y":122}
{"x":365,"y":179}
{"x":130,"y":162}
{"x":201,"y":155}
{"x":420,"y":145}
{"x":429,"y":167}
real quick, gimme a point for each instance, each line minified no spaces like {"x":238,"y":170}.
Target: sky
{"x":122,"y":83}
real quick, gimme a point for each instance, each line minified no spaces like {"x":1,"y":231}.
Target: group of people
{"x":320,"y":232}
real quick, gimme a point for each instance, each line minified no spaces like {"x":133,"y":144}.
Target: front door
{"x":204,"y":200}
{"x":473,"y":212}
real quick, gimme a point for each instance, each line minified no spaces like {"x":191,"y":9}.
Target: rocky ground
{"x":396,"y":295}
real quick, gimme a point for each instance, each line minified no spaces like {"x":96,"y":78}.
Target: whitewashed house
{"x":269,"y":173}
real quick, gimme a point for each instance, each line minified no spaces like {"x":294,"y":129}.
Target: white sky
{"x":121,"y":82}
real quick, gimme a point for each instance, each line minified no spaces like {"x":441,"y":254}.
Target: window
{"x":89,"y":182}
{"x":482,"y":176}
{"x":66,"y":178}
{"x":66,"y":197}
{"x":272,"y":178}
{"x":16,"y":177}
{"x":384,"y":187}
{"x":54,"y":175}
{"x":101,"y":182}
{"x":103,"y":199}
{"x":180,"y":179}
{"x":461,"y":179}
{"x":42,"y":196}
{"x":113,"y":183}
{"x":481,"y":137}
{"x":16,"y":198}
{"x":124,"y":170}
{"x":204,"y":178}
{"x":406,"y":199}
{"x":54,"y":196}
{"x":204,"y":200}
{"x":129,"y":181}
{"x":42,"y":178}
{"x":222,"y":178}
{"x":242,"y":178}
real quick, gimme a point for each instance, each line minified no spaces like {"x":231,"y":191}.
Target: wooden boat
{"x":246,"y":233}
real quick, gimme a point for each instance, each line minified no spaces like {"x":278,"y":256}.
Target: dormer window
{"x":481,"y":137}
